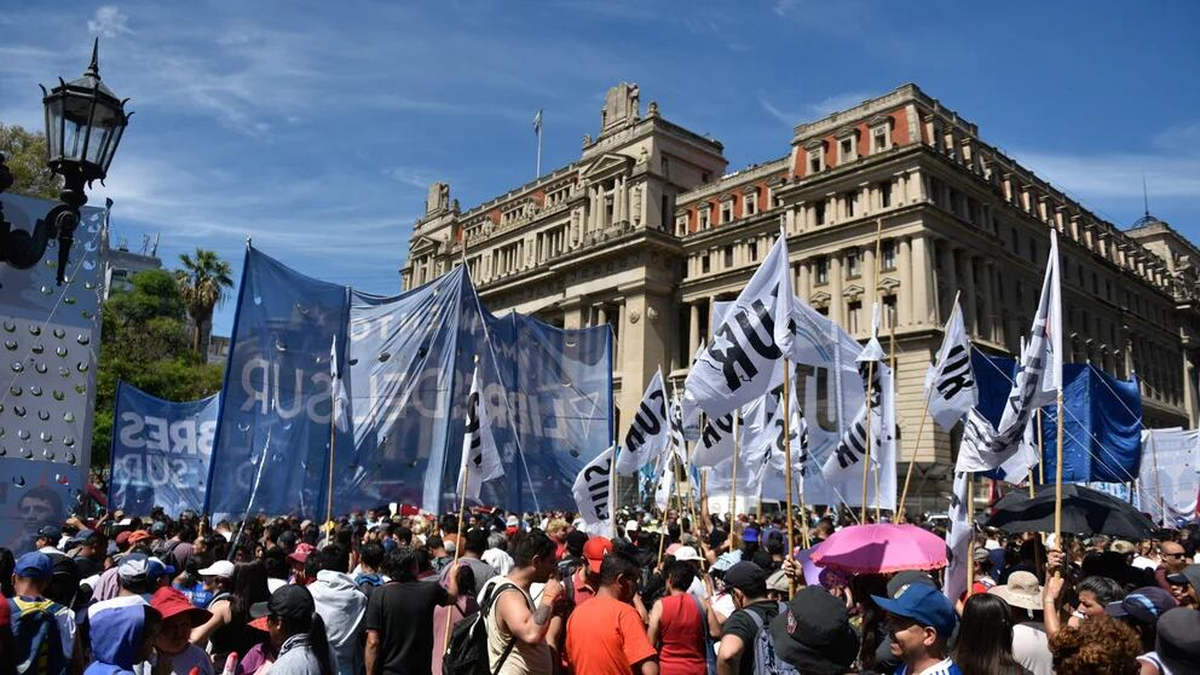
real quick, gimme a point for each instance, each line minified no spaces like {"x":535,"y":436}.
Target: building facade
{"x":896,"y":201}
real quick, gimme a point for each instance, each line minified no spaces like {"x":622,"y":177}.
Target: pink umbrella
{"x":881,"y":548}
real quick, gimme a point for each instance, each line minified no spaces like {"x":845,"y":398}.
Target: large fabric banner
{"x":1168,"y":482}
{"x":1102,"y":419}
{"x":34,"y":494}
{"x":409,"y":364}
{"x":160,"y":452}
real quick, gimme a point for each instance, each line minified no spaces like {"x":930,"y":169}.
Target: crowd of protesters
{"x":383,"y":594}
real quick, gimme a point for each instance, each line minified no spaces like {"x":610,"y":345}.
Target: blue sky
{"x":316,"y":126}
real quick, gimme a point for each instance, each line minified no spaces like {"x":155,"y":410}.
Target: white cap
{"x":632,"y":525}
{"x":512,"y":521}
{"x":686,"y":554}
{"x":220,"y":568}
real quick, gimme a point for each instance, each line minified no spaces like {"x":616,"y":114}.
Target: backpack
{"x":467,"y":649}
{"x":37,"y":638}
{"x":765,"y":660}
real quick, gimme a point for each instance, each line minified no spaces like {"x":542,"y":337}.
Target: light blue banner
{"x":407,"y":369}
{"x":160,"y":452}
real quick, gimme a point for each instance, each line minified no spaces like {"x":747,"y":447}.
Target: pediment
{"x":605,"y":165}
{"x":819,"y":298}
{"x":888,"y":284}
{"x":852,"y":291}
{"x":422,"y":242}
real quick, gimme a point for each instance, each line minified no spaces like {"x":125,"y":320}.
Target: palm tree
{"x":202,"y":286}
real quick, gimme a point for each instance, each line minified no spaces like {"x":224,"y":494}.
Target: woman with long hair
{"x":297,"y":633}
{"x":237,"y":588}
{"x":985,"y":637}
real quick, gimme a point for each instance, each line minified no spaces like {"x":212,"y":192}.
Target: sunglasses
{"x":1174,"y":555}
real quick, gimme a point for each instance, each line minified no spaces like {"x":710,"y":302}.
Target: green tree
{"x":203,"y":282}
{"x":25,"y":154}
{"x":144,"y":341}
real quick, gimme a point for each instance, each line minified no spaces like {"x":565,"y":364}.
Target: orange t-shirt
{"x":606,"y":637}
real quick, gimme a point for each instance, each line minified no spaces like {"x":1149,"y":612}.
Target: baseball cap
{"x":219,"y":568}
{"x":924,"y":604}
{"x":158,"y":528}
{"x":139,"y":536}
{"x":1189,"y":575}
{"x":287,"y":602}
{"x":907,"y":578}
{"x":303,"y":550}
{"x":33,"y":565}
{"x":1123,"y":547}
{"x":1178,"y":641}
{"x":136,"y":568}
{"x":512,"y":521}
{"x":84,"y":535}
{"x":122,"y":538}
{"x":594,"y":551}
{"x":170,"y":602}
{"x":813,"y":634}
{"x":51,"y":532}
{"x":158,"y":568}
{"x":1143,"y":605}
{"x":686,"y":554}
{"x":744,"y":574}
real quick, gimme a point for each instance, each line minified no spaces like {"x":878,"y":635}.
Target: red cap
{"x":303,"y":550}
{"x":594,"y":550}
{"x":170,"y":602}
{"x":122,"y":538}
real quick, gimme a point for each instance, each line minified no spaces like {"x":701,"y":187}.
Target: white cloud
{"x":787,"y":117}
{"x":1116,"y":175}
{"x":836,"y":103}
{"x":109,"y":22}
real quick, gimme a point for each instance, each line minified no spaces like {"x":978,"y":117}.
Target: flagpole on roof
{"x":537,"y":129}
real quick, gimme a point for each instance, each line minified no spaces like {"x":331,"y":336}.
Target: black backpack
{"x":467,"y":650}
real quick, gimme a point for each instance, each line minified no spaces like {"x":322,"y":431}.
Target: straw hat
{"x":1022,"y":590}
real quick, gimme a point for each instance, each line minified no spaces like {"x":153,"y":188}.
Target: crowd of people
{"x":379,"y":593}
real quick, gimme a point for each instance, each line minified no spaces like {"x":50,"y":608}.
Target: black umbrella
{"x":1084,"y":511}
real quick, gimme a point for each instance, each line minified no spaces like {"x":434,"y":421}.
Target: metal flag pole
{"x":971,"y":533}
{"x":1162,"y":509}
{"x":538,"y":126}
{"x":787,"y":467}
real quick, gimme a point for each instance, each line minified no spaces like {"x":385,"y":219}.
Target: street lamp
{"x":84,"y":124}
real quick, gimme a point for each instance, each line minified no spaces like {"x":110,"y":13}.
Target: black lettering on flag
{"x":476,"y":456}
{"x":647,"y":422}
{"x":735,"y":357}
{"x":956,"y":376}
{"x":598,"y":485}
{"x":716,"y":429}
{"x":853,"y":446}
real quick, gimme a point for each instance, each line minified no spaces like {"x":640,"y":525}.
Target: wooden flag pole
{"x":458,"y":547}
{"x":971,"y":533}
{"x":867,"y":458}
{"x":787,"y":466}
{"x":737,"y":417}
{"x":1041,"y":450}
{"x":329,"y":505}
{"x":1058,"y":470}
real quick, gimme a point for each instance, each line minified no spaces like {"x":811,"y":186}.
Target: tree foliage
{"x":25,"y":155}
{"x":202,"y":285}
{"x":145,"y":343}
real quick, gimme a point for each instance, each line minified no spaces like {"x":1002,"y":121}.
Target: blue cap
{"x":34,"y":565}
{"x":924,"y":604}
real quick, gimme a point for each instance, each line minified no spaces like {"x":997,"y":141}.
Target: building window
{"x":752,"y":250}
{"x":885,"y":194}
{"x":853,"y":316}
{"x":852,"y":263}
{"x":819,"y":212}
{"x":881,"y":138}
{"x":705,"y":264}
{"x":888,"y":255}
{"x":728,"y":257}
{"x":703,"y":213}
{"x":849,"y":200}
{"x":665,"y":166}
{"x":822,"y":270}
{"x":750,"y":203}
{"x":816,"y":161}
{"x":727,"y":211}
{"x":846,"y":150}
{"x":889,"y":311}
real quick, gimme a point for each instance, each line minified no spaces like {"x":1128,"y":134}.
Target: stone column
{"x":988,"y":328}
{"x":804,"y":289}
{"x":950,"y":269}
{"x":712,"y":309}
{"x":970,"y":315}
{"x":601,"y":315}
{"x":924,"y":301}
{"x":620,"y":200}
{"x":693,"y":328}
{"x":870,"y":278}
{"x":620,"y":336}
{"x":837,"y":303}
{"x":904,"y":299}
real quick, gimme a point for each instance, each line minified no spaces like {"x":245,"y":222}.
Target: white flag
{"x":716,"y":442}
{"x":341,"y":416}
{"x":691,"y":412}
{"x":537,"y":122}
{"x":1040,"y":374}
{"x":975,"y":451}
{"x":675,"y":431}
{"x":593,"y":492}
{"x":737,"y":367}
{"x":950,"y":385}
{"x":666,"y":484}
{"x":649,"y":431}
{"x":852,"y":447}
{"x":767,"y":451}
{"x":958,"y":540}
{"x":785,"y":311}
{"x":479,"y":451}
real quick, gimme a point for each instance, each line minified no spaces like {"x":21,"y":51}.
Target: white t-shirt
{"x":1031,"y":648}
{"x":1143,"y":563}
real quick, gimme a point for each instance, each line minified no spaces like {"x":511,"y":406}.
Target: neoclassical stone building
{"x":897,"y":200}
